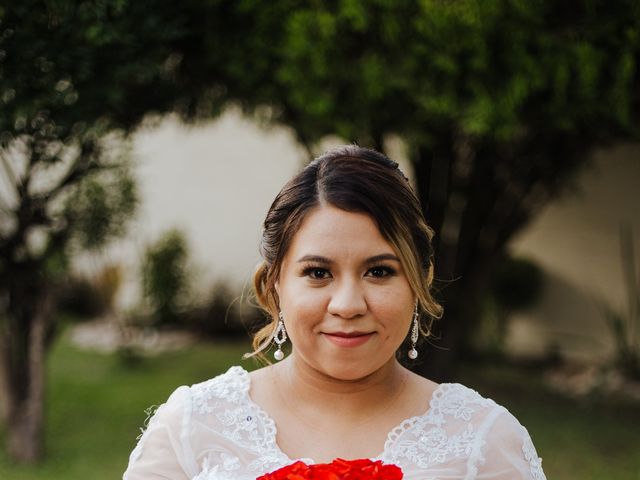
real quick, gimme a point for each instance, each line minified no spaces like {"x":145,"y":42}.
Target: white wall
{"x":216,"y":182}
{"x":576,"y":240}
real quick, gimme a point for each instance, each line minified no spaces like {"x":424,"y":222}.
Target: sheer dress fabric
{"x":214,"y":431}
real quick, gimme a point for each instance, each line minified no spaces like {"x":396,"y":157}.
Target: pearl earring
{"x":279,"y":337}
{"x":415,"y":331}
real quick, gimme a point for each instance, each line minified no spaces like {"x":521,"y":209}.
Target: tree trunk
{"x":25,"y":396}
{"x":442,"y":171}
{"x":476,"y":196}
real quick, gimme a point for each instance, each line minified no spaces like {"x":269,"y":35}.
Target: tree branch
{"x":5,"y":208}
{"x":81,"y":167}
{"x":10,"y":175}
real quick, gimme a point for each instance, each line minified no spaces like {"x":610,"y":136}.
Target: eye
{"x":380,"y":271}
{"x":316,"y":273}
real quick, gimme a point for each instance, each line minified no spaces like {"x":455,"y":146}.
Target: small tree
{"x":516,"y":285}
{"x":165,"y":277}
{"x":75,"y":79}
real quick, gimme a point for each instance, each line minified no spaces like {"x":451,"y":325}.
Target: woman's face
{"x":346,"y":301}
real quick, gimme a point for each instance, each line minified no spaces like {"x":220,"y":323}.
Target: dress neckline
{"x":272,"y":429}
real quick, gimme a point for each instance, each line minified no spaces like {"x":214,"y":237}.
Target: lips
{"x":348,"y":339}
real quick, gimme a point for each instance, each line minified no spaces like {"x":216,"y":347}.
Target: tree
{"x":165,"y":276}
{"x":500,"y":103}
{"x":75,"y":79}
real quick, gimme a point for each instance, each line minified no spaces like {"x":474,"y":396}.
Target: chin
{"x":348,"y":370}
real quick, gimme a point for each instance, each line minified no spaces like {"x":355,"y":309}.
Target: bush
{"x":224,"y":315}
{"x":79,"y":299}
{"x":516,"y":284}
{"x":165,"y":279}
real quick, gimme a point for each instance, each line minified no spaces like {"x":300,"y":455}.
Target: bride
{"x":345,"y":280}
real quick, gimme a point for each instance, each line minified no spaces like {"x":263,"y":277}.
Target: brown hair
{"x":354,"y":179}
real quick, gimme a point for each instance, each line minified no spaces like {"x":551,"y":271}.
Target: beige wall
{"x":216,"y":181}
{"x":576,"y":241}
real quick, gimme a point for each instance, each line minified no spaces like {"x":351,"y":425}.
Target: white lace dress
{"x":214,"y":431}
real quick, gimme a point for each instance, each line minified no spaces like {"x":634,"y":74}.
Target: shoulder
{"x":507,"y":442}
{"x":489,"y":419}
{"x":231,"y":387}
{"x":454,"y":401}
{"x":170,"y":412}
{"x":169,"y":440}
{"x":502,"y":443}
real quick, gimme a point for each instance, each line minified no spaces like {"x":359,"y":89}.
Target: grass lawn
{"x":96,"y":406}
{"x":590,"y":439}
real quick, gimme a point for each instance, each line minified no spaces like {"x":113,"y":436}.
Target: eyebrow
{"x":326,"y":261}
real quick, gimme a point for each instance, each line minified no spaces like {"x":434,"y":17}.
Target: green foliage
{"x":492,"y":69}
{"x":165,"y":277}
{"x":84,"y":62}
{"x":223,"y":315}
{"x":80,"y":299}
{"x":85,"y":298}
{"x":517,"y":284}
{"x":100,"y":208}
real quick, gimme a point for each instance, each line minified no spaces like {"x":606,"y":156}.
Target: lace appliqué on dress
{"x":137,"y":451}
{"x":449,"y":437}
{"x":424,"y":440}
{"x":242,"y":422}
{"x":535,"y":462}
{"x":226,"y":397}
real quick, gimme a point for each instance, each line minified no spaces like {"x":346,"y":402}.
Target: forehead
{"x":329,"y":231}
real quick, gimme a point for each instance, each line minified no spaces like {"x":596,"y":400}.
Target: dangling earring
{"x":279,"y":337}
{"x":415,"y":331}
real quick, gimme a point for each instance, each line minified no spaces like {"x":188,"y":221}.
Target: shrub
{"x":80,"y":299}
{"x":516,"y":284}
{"x":165,"y":279}
{"x":224,"y":315}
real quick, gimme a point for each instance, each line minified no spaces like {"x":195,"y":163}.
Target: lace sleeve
{"x":509,"y":453}
{"x":163,"y":450}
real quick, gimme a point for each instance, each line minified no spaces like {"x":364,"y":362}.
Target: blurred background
{"x":141,"y":144}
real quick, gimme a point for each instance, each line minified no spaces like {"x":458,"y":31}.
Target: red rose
{"x":339,"y":469}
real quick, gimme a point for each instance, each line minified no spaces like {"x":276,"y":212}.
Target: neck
{"x":313,"y":389}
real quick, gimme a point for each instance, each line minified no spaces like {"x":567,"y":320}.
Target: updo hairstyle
{"x":353,"y":179}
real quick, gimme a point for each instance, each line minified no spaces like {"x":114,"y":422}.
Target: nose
{"x":347,"y":300}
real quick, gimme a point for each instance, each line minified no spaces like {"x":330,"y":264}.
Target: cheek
{"x":394,"y":309}
{"x":302,"y":305}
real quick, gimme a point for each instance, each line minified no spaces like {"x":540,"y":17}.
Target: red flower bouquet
{"x":339,"y":469}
